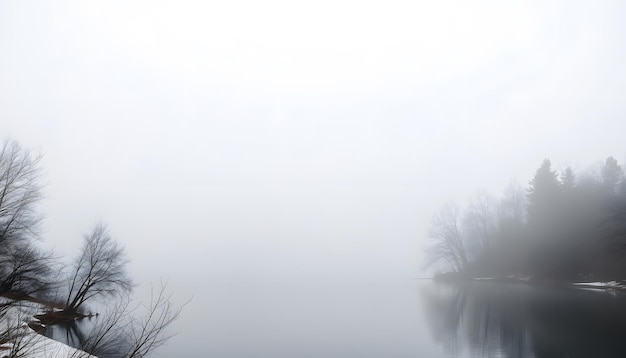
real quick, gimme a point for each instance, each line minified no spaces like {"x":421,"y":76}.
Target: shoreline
{"x":527,"y":280}
{"x":29,"y":338}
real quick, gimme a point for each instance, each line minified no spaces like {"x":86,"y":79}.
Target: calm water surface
{"x":403,"y":319}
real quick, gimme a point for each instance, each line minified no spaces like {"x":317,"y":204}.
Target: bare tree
{"x":134,"y":332}
{"x":20,"y":190}
{"x":100,"y":270}
{"x":25,"y":270}
{"x":512,"y":205}
{"x":108,"y":337}
{"x":479,"y":220}
{"x":149,"y":331}
{"x":447,"y":242}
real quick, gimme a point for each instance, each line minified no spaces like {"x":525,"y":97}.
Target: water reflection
{"x":88,"y":334}
{"x":512,"y":320}
{"x":72,"y":333}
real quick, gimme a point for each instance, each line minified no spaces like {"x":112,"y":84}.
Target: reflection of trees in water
{"x":580,"y":324}
{"x":490,"y":320}
{"x":120,"y":332}
{"x":477,"y":323}
{"x":72,"y":332}
{"x":81,"y":334}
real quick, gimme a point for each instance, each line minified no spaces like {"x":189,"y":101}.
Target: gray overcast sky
{"x":261,"y":139}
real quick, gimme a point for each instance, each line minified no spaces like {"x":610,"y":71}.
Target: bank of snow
{"x":20,"y":340}
{"x":601,"y":285}
{"x":597,"y":285}
{"x":30,"y":344}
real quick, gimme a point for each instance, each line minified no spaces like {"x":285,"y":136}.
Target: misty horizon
{"x":244,"y":143}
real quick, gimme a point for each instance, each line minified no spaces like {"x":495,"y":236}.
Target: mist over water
{"x":280,"y":164}
{"x":402,"y":319}
{"x":298,"y":318}
{"x":286,"y":319}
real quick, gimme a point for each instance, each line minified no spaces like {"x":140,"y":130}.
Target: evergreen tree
{"x":567,"y":180}
{"x":612,"y":174}
{"x":544,"y":192}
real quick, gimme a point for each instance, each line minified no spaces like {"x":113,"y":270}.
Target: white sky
{"x":234,"y":139}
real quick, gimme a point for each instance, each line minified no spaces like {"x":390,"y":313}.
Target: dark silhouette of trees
{"x":24,"y":268}
{"x":562,"y":229}
{"x":99,"y":270}
{"x":545,"y":220}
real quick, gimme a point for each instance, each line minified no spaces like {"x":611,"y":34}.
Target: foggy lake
{"x":402,"y":319}
{"x":289,"y":168}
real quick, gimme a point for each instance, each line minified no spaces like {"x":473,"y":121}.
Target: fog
{"x":245,"y":141}
{"x":281,"y":140}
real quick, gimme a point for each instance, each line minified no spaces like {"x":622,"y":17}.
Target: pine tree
{"x":544,"y":192}
{"x":612,"y":174}
{"x":567,"y":180}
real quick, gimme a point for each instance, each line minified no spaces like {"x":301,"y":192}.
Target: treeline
{"x":558,"y":228}
{"x":63,"y":288}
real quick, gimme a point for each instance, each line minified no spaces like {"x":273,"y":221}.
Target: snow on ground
{"x":596,"y":284}
{"x":601,"y":285}
{"x":25,"y":341}
{"x":33,"y":345}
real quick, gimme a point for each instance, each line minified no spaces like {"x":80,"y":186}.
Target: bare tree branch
{"x":100,"y":270}
{"x":134,"y":332}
